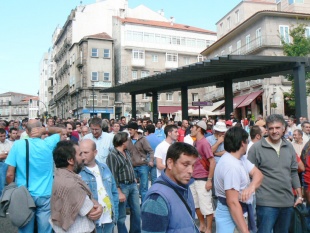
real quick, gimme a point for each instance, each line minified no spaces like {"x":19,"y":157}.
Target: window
{"x":201,"y":43}
{"x":106,"y":76}
{"x":259,"y":37}
{"x":94,"y":76}
{"x":105,"y":100}
{"x":155,"y":58}
{"x":92,"y":100}
{"x":200,"y":58}
{"x":94,"y":52}
{"x":238,"y":47}
{"x":194,"y":96}
{"x":295,"y":1}
{"x":149,"y":37}
{"x":237,"y":16}
{"x":179,"y":96}
{"x":248,"y":43}
{"x":144,"y":97}
{"x":137,"y":54}
{"x":190,"y":42}
{"x":284,"y":33}
{"x":134,"y":74}
{"x":230,"y":49}
{"x":158,"y":96}
{"x":187,"y":60}
{"x":144,"y":73}
{"x":137,"y":36}
{"x":172,"y":57}
{"x":228,"y":23}
{"x":169,"y":96}
{"x":106,"y":53}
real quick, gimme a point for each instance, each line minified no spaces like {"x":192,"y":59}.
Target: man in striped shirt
{"x":120,"y":165}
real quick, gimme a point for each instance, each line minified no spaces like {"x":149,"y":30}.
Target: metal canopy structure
{"x":220,"y":71}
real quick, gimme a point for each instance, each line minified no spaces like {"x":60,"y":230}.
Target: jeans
{"x":42,"y":215}
{"x":224,"y":221}
{"x":3,"y":169}
{"x":143,"y":173}
{"x":105,"y":228}
{"x":277,"y":219}
{"x":132,"y":198}
{"x":153,"y":174}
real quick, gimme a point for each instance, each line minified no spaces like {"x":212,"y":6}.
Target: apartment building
{"x":43,"y":91}
{"x":76,"y":79}
{"x":107,"y":43}
{"x":145,"y":47}
{"x":14,"y":106}
{"x":257,"y":34}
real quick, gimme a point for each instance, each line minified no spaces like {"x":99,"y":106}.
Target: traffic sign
{"x":202,"y":103}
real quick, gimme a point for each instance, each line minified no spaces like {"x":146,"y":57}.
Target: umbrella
{"x":159,"y":115}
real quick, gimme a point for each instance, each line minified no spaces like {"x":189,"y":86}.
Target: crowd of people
{"x":88,"y":175}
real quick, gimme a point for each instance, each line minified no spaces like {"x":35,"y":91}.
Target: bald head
{"x":89,"y":152}
{"x":33,"y":123}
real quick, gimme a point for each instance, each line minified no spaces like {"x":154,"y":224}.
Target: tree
{"x":299,"y":47}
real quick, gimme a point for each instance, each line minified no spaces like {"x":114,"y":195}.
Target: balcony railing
{"x":258,"y":43}
{"x":63,"y":92}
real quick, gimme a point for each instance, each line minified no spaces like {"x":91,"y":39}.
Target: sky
{"x":27,"y":27}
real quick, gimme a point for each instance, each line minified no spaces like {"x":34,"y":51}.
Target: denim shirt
{"x":108,"y":183}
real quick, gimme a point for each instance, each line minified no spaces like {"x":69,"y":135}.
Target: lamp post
{"x":93,"y":99}
{"x":77,"y":103}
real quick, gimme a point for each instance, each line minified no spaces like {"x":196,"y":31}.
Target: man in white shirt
{"x":101,"y":183}
{"x":171,"y":132}
{"x":102,"y":139}
{"x":256,"y":134}
{"x":298,"y":142}
{"x":305,"y":127}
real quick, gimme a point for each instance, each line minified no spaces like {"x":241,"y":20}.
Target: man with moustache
{"x":73,"y":208}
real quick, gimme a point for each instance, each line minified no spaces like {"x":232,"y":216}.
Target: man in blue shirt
{"x":40,"y":171}
{"x":159,"y":131}
{"x":154,"y":141}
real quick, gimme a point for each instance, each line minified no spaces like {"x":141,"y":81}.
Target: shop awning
{"x":171,"y":109}
{"x":237,"y":101}
{"x":249,"y":99}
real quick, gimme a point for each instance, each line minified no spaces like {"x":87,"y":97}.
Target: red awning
{"x":171,"y":109}
{"x":236,"y":101}
{"x":249,"y":99}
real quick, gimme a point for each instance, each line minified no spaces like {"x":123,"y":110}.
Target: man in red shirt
{"x":203,"y":175}
{"x":182,"y":130}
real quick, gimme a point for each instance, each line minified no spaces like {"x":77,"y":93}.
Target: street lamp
{"x":77,"y":103}
{"x":93,"y":100}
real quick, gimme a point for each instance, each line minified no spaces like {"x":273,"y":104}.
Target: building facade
{"x":257,"y":34}
{"x":16,"y":106}
{"x":145,"y":47}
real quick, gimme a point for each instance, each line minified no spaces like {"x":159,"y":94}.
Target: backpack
{"x":299,"y":223}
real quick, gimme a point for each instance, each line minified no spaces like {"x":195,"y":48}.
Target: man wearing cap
{"x":102,"y":139}
{"x":139,"y":148}
{"x":217,"y":140}
{"x":203,"y":175}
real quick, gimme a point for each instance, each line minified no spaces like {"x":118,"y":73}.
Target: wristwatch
{"x":210,"y":178}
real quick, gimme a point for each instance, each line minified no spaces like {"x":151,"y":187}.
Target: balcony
{"x":171,"y":64}
{"x":79,"y":62}
{"x":258,"y":43}
{"x":51,"y":102}
{"x":62,"y":93}
{"x":50,"y":89}
{"x":138,"y":62}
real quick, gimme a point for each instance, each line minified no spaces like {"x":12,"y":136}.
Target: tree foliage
{"x":299,"y":47}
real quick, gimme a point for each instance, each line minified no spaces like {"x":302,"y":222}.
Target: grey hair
{"x":275,"y":118}
{"x":305,"y":122}
{"x":299,"y":131}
